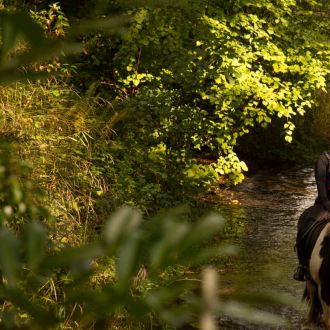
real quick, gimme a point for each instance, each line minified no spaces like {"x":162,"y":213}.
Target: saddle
{"x":310,"y":225}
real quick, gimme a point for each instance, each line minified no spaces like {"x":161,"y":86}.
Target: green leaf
{"x":74,"y":257}
{"x":122,"y":223}
{"x":204,"y":229}
{"x":128,"y":259}
{"x":16,"y":26}
{"x":173,"y":233}
{"x":247,"y":313}
{"x":41,"y":315}
{"x":9,"y":260}
{"x":35,"y":244}
{"x":288,"y":138}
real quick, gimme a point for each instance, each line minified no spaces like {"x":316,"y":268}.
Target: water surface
{"x":262,"y":221}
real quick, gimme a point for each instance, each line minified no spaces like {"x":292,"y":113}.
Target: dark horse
{"x":313,"y":248}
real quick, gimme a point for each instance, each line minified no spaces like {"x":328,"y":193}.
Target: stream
{"x":261,"y":220}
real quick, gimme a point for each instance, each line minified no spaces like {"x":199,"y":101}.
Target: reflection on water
{"x":263,"y":224}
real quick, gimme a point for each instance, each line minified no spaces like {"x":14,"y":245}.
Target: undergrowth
{"x":56,"y":131}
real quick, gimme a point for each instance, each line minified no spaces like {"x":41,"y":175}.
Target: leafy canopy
{"x":205,"y":73}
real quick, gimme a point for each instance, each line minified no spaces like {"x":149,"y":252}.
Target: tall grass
{"x":56,"y":131}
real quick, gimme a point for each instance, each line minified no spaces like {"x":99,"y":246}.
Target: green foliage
{"x":166,"y":243}
{"x":22,"y":44}
{"x":18,"y":199}
{"x":190,"y":84}
{"x":206,"y":76}
{"x":53,"y":20}
{"x":310,"y":138}
{"x":58,"y":134}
